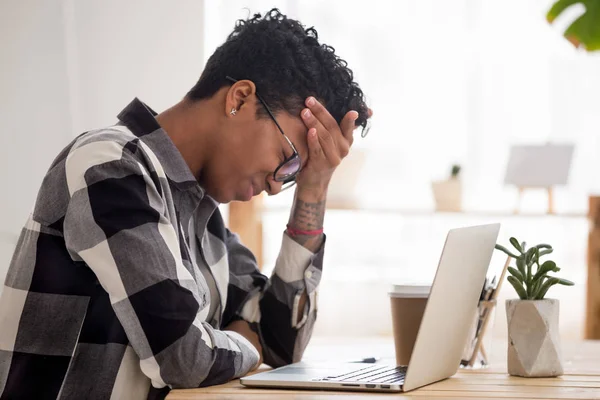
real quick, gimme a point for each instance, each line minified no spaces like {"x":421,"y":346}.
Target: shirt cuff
{"x":292,"y":261}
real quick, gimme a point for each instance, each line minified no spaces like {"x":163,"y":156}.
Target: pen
{"x":368,"y":360}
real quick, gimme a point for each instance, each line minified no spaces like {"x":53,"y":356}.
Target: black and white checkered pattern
{"x":106,"y":297}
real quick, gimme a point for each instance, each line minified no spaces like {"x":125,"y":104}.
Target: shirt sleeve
{"x":272,"y":307}
{"x":117,"y":224}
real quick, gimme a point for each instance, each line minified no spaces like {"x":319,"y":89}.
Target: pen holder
{"x":475,"y":354}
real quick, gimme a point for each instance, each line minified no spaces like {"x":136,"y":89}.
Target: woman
{"x":126,"y":283}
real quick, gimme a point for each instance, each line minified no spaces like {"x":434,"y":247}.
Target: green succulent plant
{"x":455,"y":171}
{"x":532,"y":284}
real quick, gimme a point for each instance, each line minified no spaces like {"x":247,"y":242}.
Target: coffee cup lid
{"x":410,"y":291}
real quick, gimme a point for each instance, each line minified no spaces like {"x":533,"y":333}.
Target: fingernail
{"x":311,"y":101}
{"x":306,"y":114}
{"x":313,"y":133}
{"x":354,"y":115}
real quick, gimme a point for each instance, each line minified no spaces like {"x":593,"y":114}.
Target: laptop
{"x":442,"y":337}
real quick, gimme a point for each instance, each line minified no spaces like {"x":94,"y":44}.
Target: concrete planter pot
{"x":533,"y":339}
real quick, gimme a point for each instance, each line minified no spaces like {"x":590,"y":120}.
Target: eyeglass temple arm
{"x":270,"y":114}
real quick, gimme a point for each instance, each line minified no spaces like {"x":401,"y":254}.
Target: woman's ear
{"x":238,"y":96}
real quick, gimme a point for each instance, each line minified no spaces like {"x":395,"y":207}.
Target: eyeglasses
{"x":286,"y":171}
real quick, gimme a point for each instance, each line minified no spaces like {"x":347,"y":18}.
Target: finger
{"x":321,"y":113}
{"x":348,"y":125}
{"x":327,"y":139}
{"x":315,"y":152}
{"x":326,"y":148}
{"x":369,"y":113}
{"x":344,"y":149}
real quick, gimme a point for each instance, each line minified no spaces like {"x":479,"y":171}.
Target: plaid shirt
{"x":106,"y":295}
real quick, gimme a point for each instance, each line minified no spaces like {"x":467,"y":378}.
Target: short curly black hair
{"x":287,"y":64}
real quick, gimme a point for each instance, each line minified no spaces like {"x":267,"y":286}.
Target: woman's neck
{"x":188,"y":124}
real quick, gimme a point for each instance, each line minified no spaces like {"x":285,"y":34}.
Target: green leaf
{"x":521,"y":266}
{"x":516,"y":274}
{"x":558,"y":7}
{"x":543,"y":246}
{"x":544,"y":252}
{"x":515,"y":244}
{"x":529,"y":256}
{"x":537,"y":284}
{"x":529,"y":282}
{"x":544,"y":288}
{"x":546,"y":267}
{"x":523,"y":246}
{"x":506,"y":251}
{"x":584,"y":31}
{"x":518,"y":287}
{"x":565,"y":282}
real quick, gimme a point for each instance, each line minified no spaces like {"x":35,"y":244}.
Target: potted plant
{"x":448,"y":193}
{"x":533,"y":337}
{"x":584,"y":32}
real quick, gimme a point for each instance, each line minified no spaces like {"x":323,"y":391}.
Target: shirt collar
{"x":140,"y":119}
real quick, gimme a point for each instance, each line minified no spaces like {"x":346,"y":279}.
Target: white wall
{"x":67,"y":66}
{"x":124,"y":49}
{"x":34,"y":107}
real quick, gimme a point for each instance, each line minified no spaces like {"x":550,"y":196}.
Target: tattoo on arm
{"x":308,"y":216}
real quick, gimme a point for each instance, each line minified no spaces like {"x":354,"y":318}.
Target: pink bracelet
{"x":295,"y":232}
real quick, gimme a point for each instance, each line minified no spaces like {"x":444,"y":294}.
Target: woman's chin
{"x":220,"y":197}
{"x":224,"y":196}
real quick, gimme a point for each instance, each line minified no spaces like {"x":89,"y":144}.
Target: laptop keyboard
{"x":371,"y":374}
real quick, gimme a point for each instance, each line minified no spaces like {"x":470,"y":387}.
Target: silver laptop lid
{"x":452,"y":304}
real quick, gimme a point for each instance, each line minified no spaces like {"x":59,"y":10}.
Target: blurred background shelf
{"x":370,"y":248}
{"x":431,"y":212}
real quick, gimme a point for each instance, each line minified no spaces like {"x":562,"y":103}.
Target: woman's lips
{"x":251,"y":191}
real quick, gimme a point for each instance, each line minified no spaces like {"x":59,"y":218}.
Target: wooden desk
{"x":581,"y":379}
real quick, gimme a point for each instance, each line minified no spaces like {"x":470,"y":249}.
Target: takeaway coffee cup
{"x":408,"y":305}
